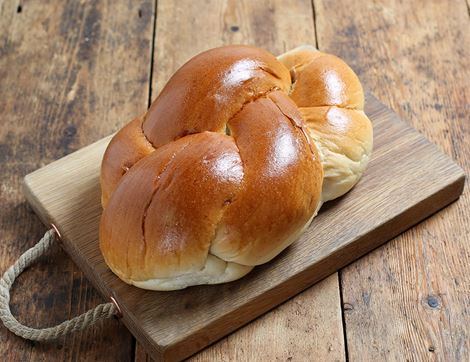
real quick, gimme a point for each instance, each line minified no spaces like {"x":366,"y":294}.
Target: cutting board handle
{"x":102,"y":311}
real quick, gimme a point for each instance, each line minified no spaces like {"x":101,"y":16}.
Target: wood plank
{"x":305,"y":326}
{"x":410,"y":298}
{"x":173,"y":325}
{"x":185,"y":28}
{"x":58,"y":92}
{"x":296,"y":330}
{"x":267,"y":24}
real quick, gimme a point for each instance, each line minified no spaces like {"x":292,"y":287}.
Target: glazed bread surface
{"x":226,"y":168}
{"x":331,"y":100}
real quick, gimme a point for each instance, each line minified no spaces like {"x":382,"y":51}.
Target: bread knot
{"x":221,"y":174}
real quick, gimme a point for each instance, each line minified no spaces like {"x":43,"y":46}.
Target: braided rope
{"x":102,"y":311}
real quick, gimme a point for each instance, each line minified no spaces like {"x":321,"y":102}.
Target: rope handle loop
{"x":79,"y":323}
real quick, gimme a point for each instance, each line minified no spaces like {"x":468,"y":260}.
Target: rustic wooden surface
{"x":70,"y":73}
{"x":414,"y":296}
{"x":410,"y":299}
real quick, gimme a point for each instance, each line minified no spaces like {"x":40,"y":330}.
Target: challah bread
{"x":221,"y":173}
{"x":331,"y":101}
{"x":218,"y":176}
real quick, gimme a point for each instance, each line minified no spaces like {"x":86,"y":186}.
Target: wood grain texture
{"x":308,"y":324}
{"x":59,"y":91}
{"x":410,"y":299}
{"x":186,"y":27}
{"x":268,"y":24}
{"x":295,"y":331}
{"x":173,"y":325}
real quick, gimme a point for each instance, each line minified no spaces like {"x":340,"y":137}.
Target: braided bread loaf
{"x":223,"y":171}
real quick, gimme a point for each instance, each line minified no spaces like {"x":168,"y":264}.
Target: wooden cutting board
{"x":407,"y":180}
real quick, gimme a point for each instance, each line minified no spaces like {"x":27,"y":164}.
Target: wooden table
{"x":73,"y":72}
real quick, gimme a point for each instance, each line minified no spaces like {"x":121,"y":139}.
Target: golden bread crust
{"x":223,"y":172}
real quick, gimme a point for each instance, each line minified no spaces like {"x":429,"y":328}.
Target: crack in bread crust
{"x":154,"y":192}
{"x":143,"y":132}
{"x":252,"y":99}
